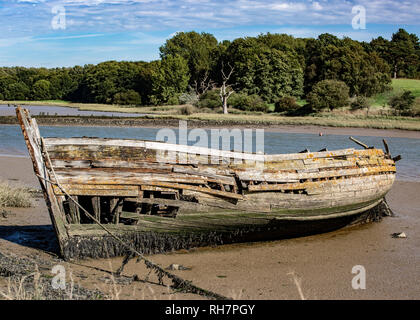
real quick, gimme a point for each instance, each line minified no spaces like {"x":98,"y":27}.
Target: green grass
{"x":407,"y":84}
{"x":398,"y":86}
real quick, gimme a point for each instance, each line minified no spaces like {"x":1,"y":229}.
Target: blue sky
{"x":33,"y":32}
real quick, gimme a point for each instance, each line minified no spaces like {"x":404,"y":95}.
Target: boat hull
{"x":157,"y":197}
{"x":92,"y":242}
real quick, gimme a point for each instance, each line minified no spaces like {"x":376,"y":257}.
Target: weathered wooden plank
{"x":102,"y":176}
{"x":101,"y":193}
{"x":195,"y":188}
{"x":210,"y":176}
{"x":213,"y":201}
{"x":285,"y":177}
{"x":32,"y":138}
{"x":159,"y":189}
{"x":299,"y":186}
{"x":94,"y":144}
{"x":98,"y":190}
{"x":71,"y":163}
{"x":138,"y":144}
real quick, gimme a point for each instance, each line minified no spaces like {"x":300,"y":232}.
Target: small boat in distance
{"x":155,"y":205}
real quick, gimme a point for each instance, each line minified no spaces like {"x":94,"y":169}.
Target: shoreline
{"x":147,"y":122}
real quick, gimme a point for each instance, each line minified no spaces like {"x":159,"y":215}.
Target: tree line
{"x":265,"y":69}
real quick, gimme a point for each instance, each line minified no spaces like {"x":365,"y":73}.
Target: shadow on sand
{"x":39,"y":237}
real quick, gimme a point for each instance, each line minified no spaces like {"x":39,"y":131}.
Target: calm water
{"x":63,"y":111}
{"x":12,"y":143}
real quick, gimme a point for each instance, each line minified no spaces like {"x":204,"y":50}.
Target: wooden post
{"x":74,"y":211}
{"x":359,"y":143}
{"x":386,"y":148}
{"x":96,"y":205}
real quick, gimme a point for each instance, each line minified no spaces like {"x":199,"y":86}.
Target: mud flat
{"x":265,"y":270}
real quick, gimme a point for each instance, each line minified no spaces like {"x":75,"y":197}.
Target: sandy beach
{"x":322,"y":264}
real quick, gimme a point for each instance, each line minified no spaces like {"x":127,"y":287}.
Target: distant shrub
{"x":246,"y":102}
{"x":174,"y":100}
{"x":41,"y":90}
{"x":187,"y":110}
{"x":286,"y":104}
{"x":328,"y":94}
{"x":360,"y":103}
{"x":129,"y":97}
{"x":210,"y":99}
{"x":403,"y":102}
{"x":189,"y":97}
{"x":416,"y":107}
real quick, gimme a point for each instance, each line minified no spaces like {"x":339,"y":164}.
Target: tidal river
{"x":408,"y":169}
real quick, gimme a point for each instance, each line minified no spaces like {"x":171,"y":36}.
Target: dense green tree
{"x":169,"y":79}
{"x":101,"y":82}
{"x":17,"y":91}
{"x":269,"y":66}
{"x":285,"y":43}
{"x":346,"y":60}
{"x":328,"y":94}
{"x":6,"y":80}
{"x":41,"y":90}
{"x":198,"y":49}
{"x":404,"y":54}
{"x":269,"y":73}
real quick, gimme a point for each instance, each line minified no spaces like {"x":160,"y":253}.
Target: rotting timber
{"x":159,"y":197}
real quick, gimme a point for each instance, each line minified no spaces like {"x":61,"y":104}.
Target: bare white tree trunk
{"x":226,"y":90}
{"x":224,"y":96}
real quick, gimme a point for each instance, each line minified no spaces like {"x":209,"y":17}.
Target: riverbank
{"x":286,"y":124}
{"x":265,"y":270}
{"x":161,"y":115}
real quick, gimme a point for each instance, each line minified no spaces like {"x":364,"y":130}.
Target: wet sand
{"x":322,"y":263}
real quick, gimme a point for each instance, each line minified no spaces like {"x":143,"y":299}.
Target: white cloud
{"x":92,"y":16}
{"x":316,"y":6}
{"x":288,"y":6}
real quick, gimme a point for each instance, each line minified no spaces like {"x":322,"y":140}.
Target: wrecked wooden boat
{"x":186,"y":201}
